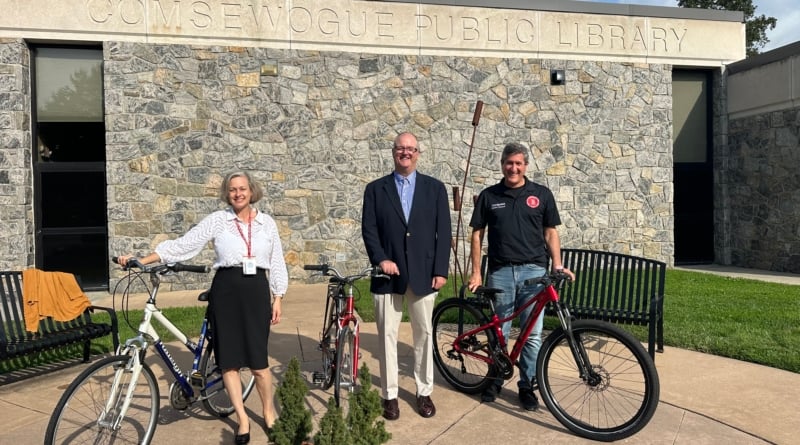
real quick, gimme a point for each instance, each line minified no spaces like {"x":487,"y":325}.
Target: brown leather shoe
{"x":425,"y":406}
{"x":391,"y":410}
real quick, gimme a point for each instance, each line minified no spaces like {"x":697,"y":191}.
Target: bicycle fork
{"x":134,"y":368}
{"x":356,"y":355}
{"x":585,"y":369}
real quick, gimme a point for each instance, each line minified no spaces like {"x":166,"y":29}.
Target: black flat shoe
{"x":241,"y":439}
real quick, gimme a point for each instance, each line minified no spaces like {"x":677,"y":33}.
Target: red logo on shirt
{"x":532,"y":202}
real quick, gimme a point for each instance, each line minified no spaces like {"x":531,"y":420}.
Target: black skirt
{"x":240,"y":308}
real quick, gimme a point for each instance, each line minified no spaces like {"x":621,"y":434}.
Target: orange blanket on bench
{"x":51,"y":294}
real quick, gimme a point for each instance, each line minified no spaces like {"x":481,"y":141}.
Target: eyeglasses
{"x":406,"y":149}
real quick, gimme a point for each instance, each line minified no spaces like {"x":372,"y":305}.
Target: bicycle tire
{"x":463,"y":372}
{"x":214,"y":395}
{"x":77,"y":417}
{"x":619,"y":402}
{"x":327,"y":348}
{"x":345,"y":380}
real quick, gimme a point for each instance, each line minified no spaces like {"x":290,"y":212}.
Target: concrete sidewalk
{"x":704,"y":398}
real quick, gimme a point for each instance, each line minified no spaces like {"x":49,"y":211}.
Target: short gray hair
{"x":514,"y":148}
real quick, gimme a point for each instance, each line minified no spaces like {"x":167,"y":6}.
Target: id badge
{"x":249,"y":266}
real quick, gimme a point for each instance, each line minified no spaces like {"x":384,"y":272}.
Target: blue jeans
{"x":511,"y":279}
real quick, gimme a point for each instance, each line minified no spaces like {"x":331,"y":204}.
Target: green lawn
{"x":743,"y":319}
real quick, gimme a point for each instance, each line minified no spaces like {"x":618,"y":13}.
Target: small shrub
{"x":365,"y":408}
{"x":332,"y":429}
{"x":294,"y":425}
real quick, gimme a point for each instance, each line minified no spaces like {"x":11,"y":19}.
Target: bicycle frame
{"x":546,"y":295}
{"x":348,"y":317}
{"x":148,"y":335}
{"x":540,"y":300}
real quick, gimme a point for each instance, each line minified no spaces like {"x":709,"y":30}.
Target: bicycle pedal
{"x":197,"y":379}
{"x":318,"y":377}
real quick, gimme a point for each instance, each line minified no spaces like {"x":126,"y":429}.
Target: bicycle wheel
{"x":345,"y":379}
{"x":215,"y":397}
{"x":327,"y":348}
{"x":619,"y":397}
{"x":81,"y":417}
{"x":468,"y":371}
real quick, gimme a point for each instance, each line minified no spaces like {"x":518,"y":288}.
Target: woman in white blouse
{"x":249,"y":264}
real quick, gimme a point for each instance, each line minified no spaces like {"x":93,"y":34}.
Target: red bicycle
{"x":339,"y":335}
{"x":594,"y":377}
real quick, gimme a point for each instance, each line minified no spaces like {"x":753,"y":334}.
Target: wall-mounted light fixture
{"x":269,"y":70}
{"x":557,"y":77}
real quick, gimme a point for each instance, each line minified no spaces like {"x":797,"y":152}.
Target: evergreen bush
{"x":365,"y":408}
{"x":332,"y":428}
{"x":293,"y":425}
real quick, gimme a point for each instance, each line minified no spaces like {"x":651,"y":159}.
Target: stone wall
{"x":16,"y":191}
{"x":762,"y":191}
{"x":179,"y":117}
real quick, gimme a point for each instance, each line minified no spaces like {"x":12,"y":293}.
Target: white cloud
{"x":786,"y":11}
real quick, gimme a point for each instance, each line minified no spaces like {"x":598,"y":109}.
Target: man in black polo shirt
{"x":521,"y":217}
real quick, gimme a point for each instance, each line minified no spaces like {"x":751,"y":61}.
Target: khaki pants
{"x":388,"y":315}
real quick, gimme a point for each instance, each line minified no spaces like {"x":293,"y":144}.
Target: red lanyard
{"x":249,"y":238}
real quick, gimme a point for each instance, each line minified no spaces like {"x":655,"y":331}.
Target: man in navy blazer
{"x":405,"y":224}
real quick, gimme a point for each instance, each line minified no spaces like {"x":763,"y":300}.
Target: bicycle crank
{"x":504,"y":366}
{"x":177,"y":398}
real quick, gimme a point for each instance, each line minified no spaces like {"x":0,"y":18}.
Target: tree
{"x":294,"y":424}
{"x":756,"y":27}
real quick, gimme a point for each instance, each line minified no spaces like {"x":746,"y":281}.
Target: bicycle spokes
{"x":599,"y":382}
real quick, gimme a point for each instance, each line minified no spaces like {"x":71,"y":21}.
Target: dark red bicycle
{"x":339,"y":336}
{"x":594,"y":377}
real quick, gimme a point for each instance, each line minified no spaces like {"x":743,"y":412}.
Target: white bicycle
{"x":116,"y":400}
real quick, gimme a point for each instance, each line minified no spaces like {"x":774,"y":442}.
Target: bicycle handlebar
{"x":328,"y":270}
{"x":555,"y":279}
{"x":162,"y":268}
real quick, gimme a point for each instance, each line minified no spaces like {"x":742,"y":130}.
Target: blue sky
{"x":787,"y":12}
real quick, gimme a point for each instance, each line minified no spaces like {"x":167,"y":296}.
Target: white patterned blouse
{"x":230,"y":235}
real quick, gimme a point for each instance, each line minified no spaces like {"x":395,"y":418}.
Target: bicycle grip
{"x":179,"y":267}
{"x":132,"y":262}
{"x":538,"y":280}
{"x":321,"y":267}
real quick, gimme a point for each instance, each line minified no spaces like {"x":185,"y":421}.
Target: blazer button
{"x":408,"y":233}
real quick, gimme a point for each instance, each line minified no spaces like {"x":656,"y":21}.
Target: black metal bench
{"x":617,"y":288}
{"x":16,"y":341}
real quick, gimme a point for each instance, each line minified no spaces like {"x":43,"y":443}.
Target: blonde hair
{"x":256,"y":192}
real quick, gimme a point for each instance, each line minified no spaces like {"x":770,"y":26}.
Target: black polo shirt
{"x":515,"y":220}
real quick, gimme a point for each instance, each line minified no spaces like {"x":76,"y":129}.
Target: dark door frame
{"x":41,"y":168}
{"x":693,"y":204}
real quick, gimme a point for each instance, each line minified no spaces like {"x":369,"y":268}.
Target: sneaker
{"x":490,"y":394}
{"x":528,"y":399}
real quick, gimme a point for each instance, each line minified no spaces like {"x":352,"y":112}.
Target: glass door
{"x":69,"y":164}
{"x":693,"y":170}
